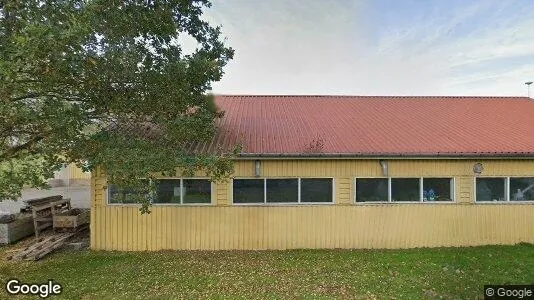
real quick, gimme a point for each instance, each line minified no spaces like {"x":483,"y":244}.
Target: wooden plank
{"x":33,"y":246}
{"x":38,"y":201}
{"x":44,"y":246}
{"x":64,"y":221}
{"x":21,"y":254}
{"x":44,"y":213}
{"x":43,"y":226}
{"x":51,"y":247}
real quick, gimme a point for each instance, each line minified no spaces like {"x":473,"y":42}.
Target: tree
{"x":107,"y":83}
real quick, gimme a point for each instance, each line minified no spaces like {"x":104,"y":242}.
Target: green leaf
{"x":105,"y":83}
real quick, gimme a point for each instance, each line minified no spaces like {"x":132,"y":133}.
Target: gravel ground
{"x":80,"y":197}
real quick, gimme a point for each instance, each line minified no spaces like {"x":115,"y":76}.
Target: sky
{"x":377,"y":47}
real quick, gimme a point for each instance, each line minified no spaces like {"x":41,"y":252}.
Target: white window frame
{"x":452,"y":189}
{"x":116,"y":204}
{"x":506,"y":191}
{"x":390,"y":191}
{"x":421,"y":181}
{"x":506,"y":188}
{"x":212,"y":191}
{"x":319,"y":203}
{"x":299,"y":202}
{"x":373,"y":202}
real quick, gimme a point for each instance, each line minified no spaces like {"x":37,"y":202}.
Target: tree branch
{"x":27,"y":96}
{"x":49,"y":94}
{"x":12,"y":152}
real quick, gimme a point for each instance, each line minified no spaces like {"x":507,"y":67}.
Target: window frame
{"x":507,"y":200}
{"x":211,"y":203}
{"x":265,"y":191}
{"x":452,"y":189}
{"x":298,"y":203}
{"x":390,"y":190}
{"x":373,"y":202}
{"x":421,"y":188}
{"x":116,"y":204}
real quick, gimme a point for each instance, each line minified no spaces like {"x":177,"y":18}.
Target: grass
{"x":450,"y":273}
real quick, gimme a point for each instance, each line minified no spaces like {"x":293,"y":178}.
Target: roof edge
{"x":372,"y":96}
{"x":389,"y":155}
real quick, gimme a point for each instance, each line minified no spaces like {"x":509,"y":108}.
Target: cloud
{"x":377,"y":47}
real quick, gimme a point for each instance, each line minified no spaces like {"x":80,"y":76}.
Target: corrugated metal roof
{"x":376,"y":126}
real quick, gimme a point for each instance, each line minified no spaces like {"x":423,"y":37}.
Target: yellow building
{"x":71,"y":175}
{"x":344,"y":172}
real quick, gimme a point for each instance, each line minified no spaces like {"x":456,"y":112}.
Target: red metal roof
{"x":376,"y":126}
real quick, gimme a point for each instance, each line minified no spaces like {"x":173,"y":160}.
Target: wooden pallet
{"x":71,"y":219}
{"x":44,"y":212}
{"x":39,"y":201}
{"x":44,"y":245}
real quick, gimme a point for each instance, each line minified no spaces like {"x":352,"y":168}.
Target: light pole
{"x":528,"y":88}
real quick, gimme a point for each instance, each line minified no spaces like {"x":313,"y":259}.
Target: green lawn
{"x":403,"y":274}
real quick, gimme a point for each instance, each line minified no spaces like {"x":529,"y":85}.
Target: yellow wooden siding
{"x":341,"y":225}
{"x":342,"y":185}
{"x":76,"y":173}
{"x":276,"y":227}
{"x":465,"y":189}
{"x":223,"y":194}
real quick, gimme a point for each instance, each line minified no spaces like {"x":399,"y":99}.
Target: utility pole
{"x":528,"y":88}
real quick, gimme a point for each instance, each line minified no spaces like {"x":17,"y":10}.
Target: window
{"x":286,"y":190}
{"x":168,"y":191}
{"x":490,"y":189}
{"x":196,"y":191}
{"x":521,"y":189}
{"x":125,"y":195}
{"x":316,"y":190}
{"x":282,"y":190}
{"x":249,"y":190}
{"x":183,"y":191}
{"x":437,"y":189}
{"x":404,"y":190}
{"x":372,"y":190}
{"x":511,"y":189}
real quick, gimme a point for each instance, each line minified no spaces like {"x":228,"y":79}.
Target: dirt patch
{"x":80,"y":237}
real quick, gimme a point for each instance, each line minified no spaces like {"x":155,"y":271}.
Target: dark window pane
{"x":490,"y":189}
{"x":168,"y":191}
{"x":405,"y":189}
{"x":522,"y":189}
{"x":282,"y":190}
{"x":248,"y":190}
{"x":197,"y":191}
{"x":371,"y":189}
{"x":316,"y":190}
{"x":127,"y":195}
{"x":437,"y":189}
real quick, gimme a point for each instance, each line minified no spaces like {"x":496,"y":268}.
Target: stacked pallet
{"x":44,"y":212}
{"x":35,"y":216}
{"x":53,"y":212}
